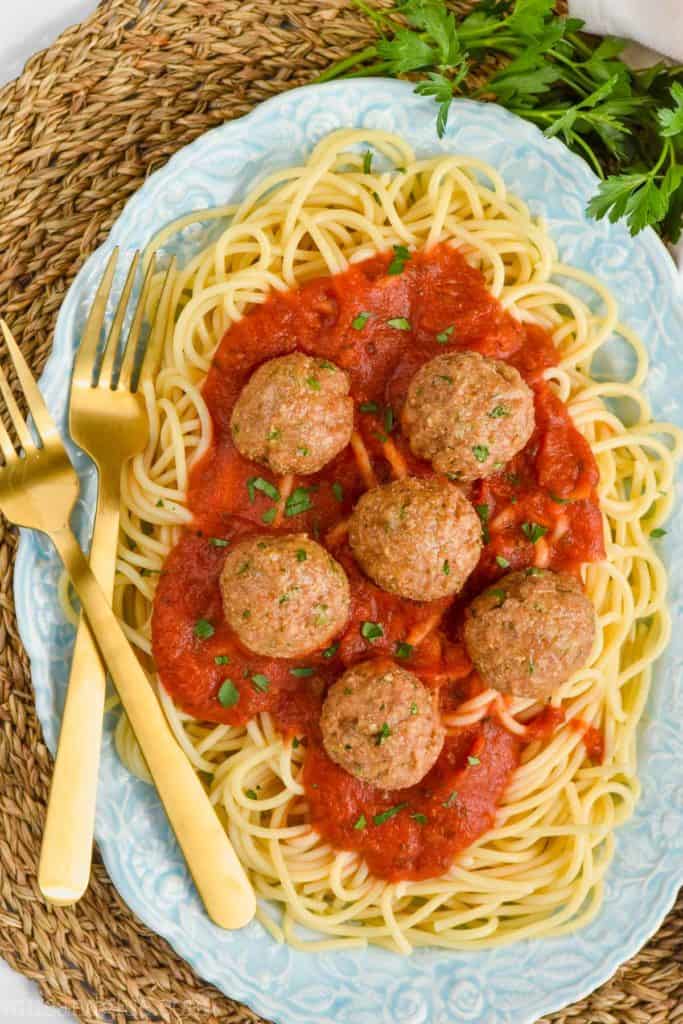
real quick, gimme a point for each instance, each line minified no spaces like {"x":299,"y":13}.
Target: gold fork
{"x":38,"y":490}
{"x":107,"y":419}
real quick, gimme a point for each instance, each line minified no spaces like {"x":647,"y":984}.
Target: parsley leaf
{"x":371,"y":630}
{"x":534,"y":531}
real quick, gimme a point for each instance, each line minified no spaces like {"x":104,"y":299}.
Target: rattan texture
{"x":80,"y":129}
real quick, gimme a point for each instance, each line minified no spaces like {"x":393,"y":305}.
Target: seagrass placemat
{"x":80,"y":130}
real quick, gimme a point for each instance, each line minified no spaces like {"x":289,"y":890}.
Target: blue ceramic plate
{"x":513,"y":985}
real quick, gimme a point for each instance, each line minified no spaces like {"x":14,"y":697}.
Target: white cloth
{"x":655,"y":28}
{"x":657,"y":24}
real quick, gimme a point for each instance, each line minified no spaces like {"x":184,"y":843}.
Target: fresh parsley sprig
{"x":628,"y":125}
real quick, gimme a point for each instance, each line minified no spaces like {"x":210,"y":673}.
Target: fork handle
{"x":66,"y":849}
{"x":220,"y":878}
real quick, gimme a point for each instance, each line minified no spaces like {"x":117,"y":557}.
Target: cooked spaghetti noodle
{"x":540,"y":870}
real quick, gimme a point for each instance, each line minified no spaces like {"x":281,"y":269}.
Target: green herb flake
{"x":359,"y":321}
{"x":391,"y":812}
{"x":244,"y":568}
{"x":446,"y":568}
{"x":330,"y":651}
{"x":658,"y":532}
{"x":160,"y":503}
{"x":383,"y":734}
{"x":389,"y":420}
{"x":250,"y":794}
{"x":400,"y":323}
{"x":498,"y":412}
{"x":218,"y":542}
{"x":221,"y":659}
{"x":403,"y":650}
{"x":301,"y":673}
{"x":480,"y":452}
{"x":296,"y":743}
{"x":421,"y":819}
{"x":473,"y":761}
{"x":368,"y":407}
{"x":443,"y":337}
{"x":203,"y":629}
{"x":367,"y":162}
{"x":499,"y":595}
{"x":533,"y":571}
{"x":531,"y":667}
{"x":399,"y":260}
{"x":299,"y":501}
{"x":560,"y":501}
{"x":260,"y":682}
{"x":452,"y":799}
{"x":502,"y":562}
{"x":257,"y":483}
{"x":338,"y":491}
{"x":371,"y":630}
{"x":534,"y":531}
{"x":360,"y":823}
{"x":228,"y":694}
{"x":313,"y":383}
{"x":303,"y":451}
{"x":268,"y":516}
{"x":414,"y":710}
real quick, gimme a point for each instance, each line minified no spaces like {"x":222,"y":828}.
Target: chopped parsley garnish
{"x":330,"y":651}
{"x":274,"y":435}
{"x":444,"y":376}
{"x":499,"y":594}
{"x":421,"y":819}
{"x":359,"y":322}
{"x":560,"y":501}
{"x":203,"y":629}
{"x":367,"y":162}
{"x":414,"y":708}
{"x":403,"y":650}
{"x":443,"y":337}
{"x":218,"y":542}
{"x":301,"y":673}
{"x":399,"y":260}
{"x":452,"y":799}
{"x":498,"y":412}
{"x":160,"y":503}
{"x":338,"y":491}
{"x":533,"y":571}
{"x":246,"y":614}
{"x":303,"y":451}
{"x":368,"y":407}
{"x":400,"y":323}
{"x":313,"y":383}
{"x":483,"y":513}
{"x":473,"y":761}
{"x":502,"y":562}
{"x":347,"y":691}
{"x":250,"y":794}
{"x":371,"y":630}
{"x":657,"y":532}
{"x":296,"y":742}
{"x":480,"y":452}
{"x":360,"y":823}
{"x":391,"y":812}
{"x":244,"y":568}
{"x":221,"y":659}
{"x":260,"y":682}
{"x":534,"y":531}
{"x":532,"y":667}
{"x":383,"y":734}
{"x":283,"y":599}
{"x":389,"y":421}
{"x":257,"y":483}
{"x":325,"y":364}
{"x":298,"y":501}
{"x":301,"y":555}
{"x":446,"y":568}
{"x":228,"y":695}
{"x":268,"y":516}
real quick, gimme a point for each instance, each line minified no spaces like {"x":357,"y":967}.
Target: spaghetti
{"x":540,"y":869}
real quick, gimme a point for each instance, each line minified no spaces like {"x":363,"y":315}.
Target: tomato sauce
{"x":593,"y":739}
{"x":541,"y":508}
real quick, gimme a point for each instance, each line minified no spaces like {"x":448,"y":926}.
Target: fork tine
{"x":6,"y":444}
{"x":155,"y":344}
{"x":131,"y":346}
{"x":112,"y":344}
{"x":33,"y":397}
{"x":84,"y":365}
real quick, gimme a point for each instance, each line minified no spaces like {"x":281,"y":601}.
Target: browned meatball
{"x":529,"y":632}
{"x":380,"y":724}
{"x":294,"y":414}
{"x":284,"y":596}
{"x":467,"y":414}
{"x":417,"y":538}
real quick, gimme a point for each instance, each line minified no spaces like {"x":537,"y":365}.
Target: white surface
{"x":40,"y":23}
{"x":21,"y":35}
{"x":658,"y":24}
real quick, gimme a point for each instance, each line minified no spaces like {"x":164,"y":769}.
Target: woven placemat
{"x":80,"y":130}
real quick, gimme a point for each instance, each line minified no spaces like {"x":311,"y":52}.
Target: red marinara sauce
{"x":550,"y":485}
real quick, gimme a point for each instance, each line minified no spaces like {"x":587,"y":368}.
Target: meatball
{"x":294,"y":414}
{"x":468,"y":415}
{"x":284,"y":596}
{"x":419,"y":538}
{"x":529,"y":632}
{"x":380,"y":724}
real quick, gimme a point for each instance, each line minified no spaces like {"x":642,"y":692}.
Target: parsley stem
{"x":344,"y":65}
